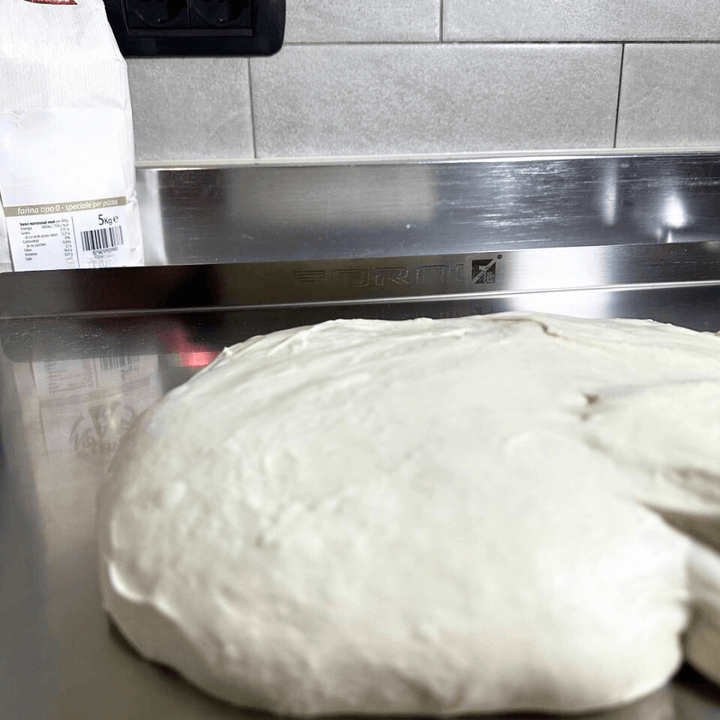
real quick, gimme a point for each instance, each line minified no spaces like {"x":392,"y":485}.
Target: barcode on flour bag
{"x":102,"y":239}
{"x":117,"y":362}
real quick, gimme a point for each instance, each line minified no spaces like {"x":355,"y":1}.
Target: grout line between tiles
{"x":442,"y":29}
{"x":586,"y":42}
{"x":617,"y":106}
{"x":252,"y":110}
{"x":503,"y":42}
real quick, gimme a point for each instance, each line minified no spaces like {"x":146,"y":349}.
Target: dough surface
{"x":425,"y":517}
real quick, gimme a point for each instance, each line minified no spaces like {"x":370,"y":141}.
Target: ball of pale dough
{"x":424,"y":517}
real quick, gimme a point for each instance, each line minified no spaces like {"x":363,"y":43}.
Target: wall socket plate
{"x":210,"y":28}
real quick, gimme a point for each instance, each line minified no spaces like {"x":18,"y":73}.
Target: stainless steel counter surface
{"x":70,"y":388}
{"x":237,"y":251}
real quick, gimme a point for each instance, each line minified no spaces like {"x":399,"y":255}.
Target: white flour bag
{"x":67,"y":165}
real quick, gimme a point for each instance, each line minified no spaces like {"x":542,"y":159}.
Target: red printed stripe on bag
{"x":53,"y":2}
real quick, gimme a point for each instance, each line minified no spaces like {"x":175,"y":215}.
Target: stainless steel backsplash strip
{"x":264,"y":235}
{"x":360,"y":280}
{"x":271,"y":212}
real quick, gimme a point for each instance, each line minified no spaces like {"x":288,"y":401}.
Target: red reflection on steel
{"x":197,"y":358}
{"x":190,"y":353}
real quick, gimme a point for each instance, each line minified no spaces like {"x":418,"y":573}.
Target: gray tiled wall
{"x":388,"y":77}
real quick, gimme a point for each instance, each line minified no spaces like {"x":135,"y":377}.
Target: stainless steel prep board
{"x":83,"y":353}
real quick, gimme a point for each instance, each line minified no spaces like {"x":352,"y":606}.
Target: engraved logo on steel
{"x":390,"y":276}
{"x":397,"y":276}
{"x":432,"y":273}
{"x":309,"y":276}
{"x":351,"y":277}
{"x":483,"y":270}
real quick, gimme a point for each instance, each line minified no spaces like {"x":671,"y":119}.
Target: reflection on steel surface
{"x":327,"y":211}
{"x":87,"y":404}
{"x":674,"y":213}
{"x":579,"y":304}
{"x":609,"y":195}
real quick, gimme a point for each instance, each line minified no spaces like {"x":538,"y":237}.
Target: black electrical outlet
{"x":220,"y":14}
{"x":157,"y":14}
{"x":145,"y":28}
